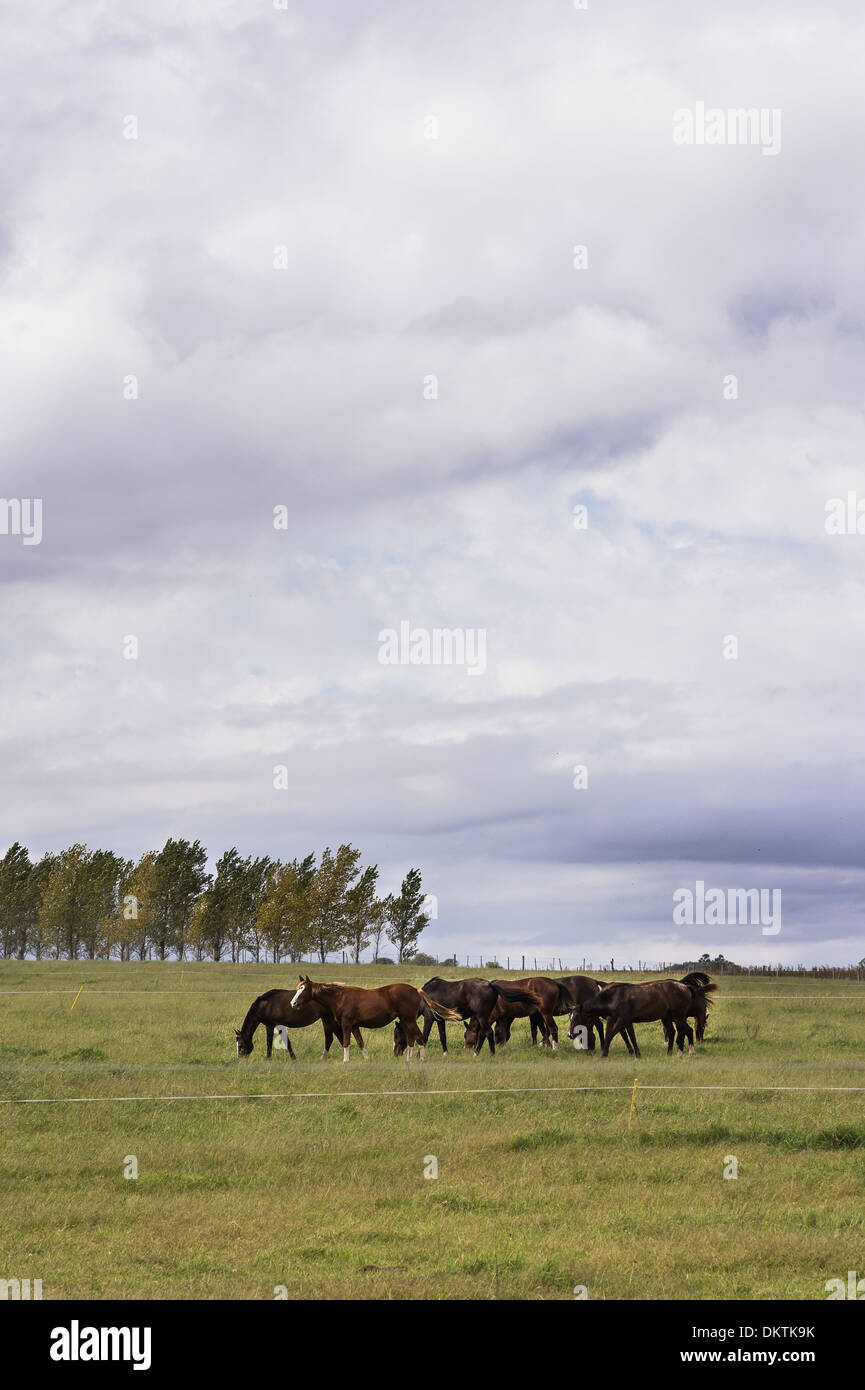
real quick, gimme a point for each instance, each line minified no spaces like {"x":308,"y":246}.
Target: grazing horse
{"x":701,"y":1000}
{"x":505,"y":1011}
{"x":670,"y":1001}
{"x":474,"y":999}
{"x":351,"y":1006}
{"x":577,"y":988}
{"x":275,"y":1007}
{"x":555,"y":997}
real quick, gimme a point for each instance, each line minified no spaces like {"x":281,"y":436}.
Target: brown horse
{"x":556,"y":998}
{"x":274,"y":1008}
{"x":575,"y":988}
{"x":505,"y":1011}
{"x":473,"y":999}
{"x":351,"y":1006}
{"x":670,"y":1001}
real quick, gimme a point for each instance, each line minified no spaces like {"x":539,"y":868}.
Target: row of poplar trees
{"x":92,"y":904}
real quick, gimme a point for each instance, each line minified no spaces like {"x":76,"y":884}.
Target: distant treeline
{"x":720,"y":966}
{"x":93,"y":904}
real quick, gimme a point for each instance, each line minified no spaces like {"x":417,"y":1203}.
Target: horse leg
{"x":612,"y":1029}
{"x":289,"y":1046}
{"x":632,"y":1035}
{"x":269,"y":1028}
{"x":328,"y":1039}
{"x":346,"y":1041}
{"x":414,"y":1035}
{"x":553,"y":1028}
{"x":484,"y":1033}
{"x":443,"y":1033}
{"x":359,"y":1040}
{"x":533,"y":1024}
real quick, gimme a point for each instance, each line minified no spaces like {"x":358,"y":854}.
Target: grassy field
{"x":538,"y":1191}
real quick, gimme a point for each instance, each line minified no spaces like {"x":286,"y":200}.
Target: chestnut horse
{"x":275,"y":1007}
{"x":670,"y":1001}
{"x":351,"y":1006}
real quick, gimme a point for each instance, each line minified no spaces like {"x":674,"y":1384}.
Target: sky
{"x":318,"y":320}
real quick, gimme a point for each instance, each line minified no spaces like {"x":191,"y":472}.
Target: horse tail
{"x":440,"y":1011}
{"x":512,"y":995}
{"x":700,"y":984}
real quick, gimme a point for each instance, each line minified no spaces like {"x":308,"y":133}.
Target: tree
{"x":406,"y":921}
{"x":252,"y":895}
{"x":362,"y":911}
{"x":136,"y":907}
{"x":179,"y":879}
{"x":285,"y":908}
{"x":67,"y":902}
{"x":334,"y":877}
{"x":101,"y":878}
{"x":19,"y":901}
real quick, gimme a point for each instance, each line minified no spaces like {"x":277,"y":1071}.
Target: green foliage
{"x":405,"y":919}
{"x":83,"y":903}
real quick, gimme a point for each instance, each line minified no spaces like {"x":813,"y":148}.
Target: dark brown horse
{"x":505,"y":1011}
{"x":577,"y":989}
{"x":274,"y":1008}
{"x":352,"y":1006}
{"x":556,"y":998}
{"x":473,"y":999}
{"x":670,"y":1001}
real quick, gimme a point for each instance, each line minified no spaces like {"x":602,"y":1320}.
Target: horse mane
{"x":250,"y":1015}
{"x":698,"y":982}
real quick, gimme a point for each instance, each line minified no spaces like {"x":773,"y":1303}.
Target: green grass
{"x":538,"y":1190}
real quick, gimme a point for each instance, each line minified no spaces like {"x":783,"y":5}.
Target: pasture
{"x":322,"y":1192}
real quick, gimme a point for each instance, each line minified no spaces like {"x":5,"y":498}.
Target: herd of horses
{"x":486,"y":1009}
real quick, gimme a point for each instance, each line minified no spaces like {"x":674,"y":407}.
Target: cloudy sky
{"x":321,"y":258}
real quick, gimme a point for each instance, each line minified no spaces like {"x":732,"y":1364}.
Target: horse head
{"x":303,"y":993}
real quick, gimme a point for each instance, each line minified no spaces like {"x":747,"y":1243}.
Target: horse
{"x":670,"y":1001}
{"x":504,"y":1012}
{"x":578,"y":988}
{"x":701,"y":1001}
{"x":557,"y":997}
{"x":351,"y":1006}
{"x":275,"y":1007}
{"x":474,"y":999}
